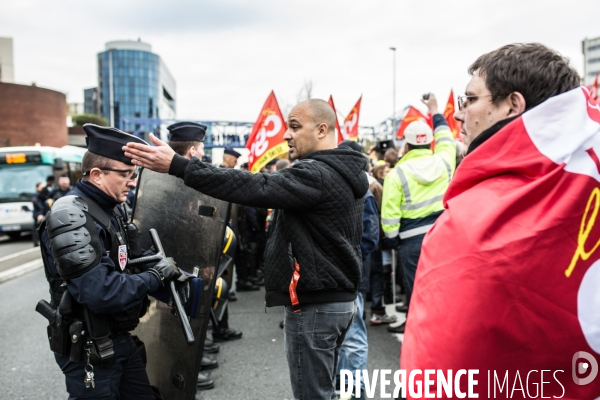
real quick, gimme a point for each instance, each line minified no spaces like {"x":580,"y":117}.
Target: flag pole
{"x":393,"y":90}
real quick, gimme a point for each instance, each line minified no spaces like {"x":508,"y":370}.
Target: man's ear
{"x":322,"y":130}
{"x":516,"y":104}
{"x":191,"y":151}
{"x":95,"y":175}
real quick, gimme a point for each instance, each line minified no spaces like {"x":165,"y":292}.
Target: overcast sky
{"x":227,"y":55}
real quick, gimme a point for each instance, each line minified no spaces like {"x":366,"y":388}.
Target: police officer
{"x":96,"y":297}
{"x":187,"y":139}
{"x":230,"y":158}
{"x":413,"y":192}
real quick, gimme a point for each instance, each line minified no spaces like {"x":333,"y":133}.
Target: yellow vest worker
{"x":413,"y":192}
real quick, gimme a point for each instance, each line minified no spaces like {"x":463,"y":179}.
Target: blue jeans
{"x":355,"y":349}
{"x":410,"y":251}
{"x":313,"y":338}
{"x":125,"y":378}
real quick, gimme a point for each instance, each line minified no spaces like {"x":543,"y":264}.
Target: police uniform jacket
{"x":317,"y":219}
{"x":104,"y":289}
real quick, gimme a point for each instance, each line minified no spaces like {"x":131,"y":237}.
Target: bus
{"x":21,"y":168}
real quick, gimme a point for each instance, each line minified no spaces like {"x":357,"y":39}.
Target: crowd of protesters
{"x":377,"y":206}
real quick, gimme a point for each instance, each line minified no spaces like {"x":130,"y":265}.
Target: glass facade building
{"x":90,"y":101}
{"x":133,"y":82}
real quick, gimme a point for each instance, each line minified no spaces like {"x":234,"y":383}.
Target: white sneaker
{"x":382,"y":319}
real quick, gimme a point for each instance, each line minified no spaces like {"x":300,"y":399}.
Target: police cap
{"x":186,"y":132}
{"x":109,"y":142}
{"x":383,"y":145}
{"x":231,"y":152}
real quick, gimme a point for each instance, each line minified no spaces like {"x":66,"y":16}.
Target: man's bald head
{"x":311,"y":127}
{"x":320,"y":112}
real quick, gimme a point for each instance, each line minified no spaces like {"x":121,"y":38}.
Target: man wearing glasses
{"x":85,"y":248}
{"x":500,"y":284}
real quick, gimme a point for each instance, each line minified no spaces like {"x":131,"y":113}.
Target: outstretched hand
{"x":157,"y":158}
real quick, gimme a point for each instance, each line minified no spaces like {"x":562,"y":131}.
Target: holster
{"x":99,"y":344}
{"x":59,"y":319}
{"x":58,"y":336}
{"x":76,"y":334}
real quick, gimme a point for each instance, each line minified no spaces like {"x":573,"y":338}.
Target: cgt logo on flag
{"x":266,"y":139}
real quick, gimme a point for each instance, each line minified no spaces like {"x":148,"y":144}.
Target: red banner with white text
{"x":266,"y":139}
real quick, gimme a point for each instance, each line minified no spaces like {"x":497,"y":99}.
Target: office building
{"x":90,"y":101}
{"x":134,"y":82}
{"x":591,"y":59}
{"x":7,"y":72}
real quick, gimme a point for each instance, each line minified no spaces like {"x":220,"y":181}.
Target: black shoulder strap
{"x":95,"y":212}
{"x":100,"y":216}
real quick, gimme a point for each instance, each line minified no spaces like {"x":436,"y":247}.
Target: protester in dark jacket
{"x":316,"y":232}
{"x":355,"y":349}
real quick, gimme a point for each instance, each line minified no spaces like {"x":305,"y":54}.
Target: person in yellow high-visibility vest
{"x":414,"y":189}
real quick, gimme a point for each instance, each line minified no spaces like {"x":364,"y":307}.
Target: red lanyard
{"x":293,"y":284}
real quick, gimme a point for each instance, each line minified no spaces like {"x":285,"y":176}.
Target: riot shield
{"x":191,"y":226}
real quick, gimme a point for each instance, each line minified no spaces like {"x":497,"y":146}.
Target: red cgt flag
{"x":449,"y":111}
{"x":338,"y":131}
{"x":350,"y":127}
{"x":517,"y":252}
{"x":266,"y":139}
{"x":412,"y":115}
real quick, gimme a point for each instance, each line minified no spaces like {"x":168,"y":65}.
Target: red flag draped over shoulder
{"x":338,"y":131}
{"x":509,"y":275}
{"x":266,"y":139}
{"x":350,"y":126}
{"x":411,"y":115}
{"x":449,"y":111}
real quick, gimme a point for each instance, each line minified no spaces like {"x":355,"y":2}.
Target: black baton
{"x":185,"y":324}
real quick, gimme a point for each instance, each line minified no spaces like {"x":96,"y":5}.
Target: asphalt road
{"x":9,"y":246}
{"x":255,"y":367}
{"x":27,"y":367}
{"x":251,"y":368}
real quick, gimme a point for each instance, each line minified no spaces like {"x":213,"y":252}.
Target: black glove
{"x":390,"y":244}
{"x":165,"y":270}
{"x":182,"y":285}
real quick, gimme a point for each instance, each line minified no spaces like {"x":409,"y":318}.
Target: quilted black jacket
{"x":317,"y":219}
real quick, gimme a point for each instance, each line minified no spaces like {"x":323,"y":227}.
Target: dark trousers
{"x":241,"y":264}
{"x":376,"y":282}
{"x":252,"y":257}
{"x":125,"y":378}
{"x":410,"y":251}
